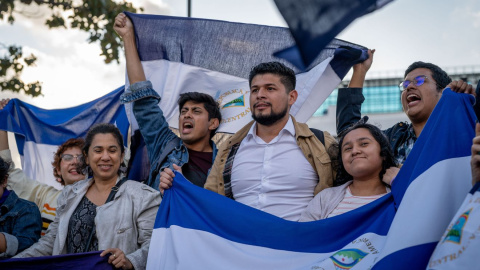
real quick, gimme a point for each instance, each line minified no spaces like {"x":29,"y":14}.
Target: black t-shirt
{"x":196,"y":170}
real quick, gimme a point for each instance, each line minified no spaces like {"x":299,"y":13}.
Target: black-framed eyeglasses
{"x":68,"y":157}
{"x":419,"y":80}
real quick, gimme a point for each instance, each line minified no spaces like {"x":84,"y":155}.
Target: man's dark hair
{"x":4,"y":166}
{"x":385,"y":152}
{"x":208,"y":102}
{"x":287,"y":75}
{"x":439,"y":75}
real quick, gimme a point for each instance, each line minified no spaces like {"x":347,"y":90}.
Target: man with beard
{"x":198,"y":120}
{"x":274,"y":163}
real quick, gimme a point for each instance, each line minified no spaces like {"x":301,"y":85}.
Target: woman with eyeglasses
{"x":65,"y":162}
{"x":364,"y":155}
{"x":106,"y":212}
{"x":20,"y":222}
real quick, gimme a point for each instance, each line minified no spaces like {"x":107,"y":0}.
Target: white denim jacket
{"x":126,"y":222}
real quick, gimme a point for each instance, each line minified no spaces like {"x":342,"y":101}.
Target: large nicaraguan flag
{"x":39,"y":132}
{"x":196,"y":228}
{"x":314,"y":24}
{"x":215,"y":57}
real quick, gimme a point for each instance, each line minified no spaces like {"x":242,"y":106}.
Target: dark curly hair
{"x":385,"y":151}
{"x":57,"y":157}
{"x":4,"y":166}
{"x":440,"y":77}
{"x":102,"y":128}
{"x":287,"y":75}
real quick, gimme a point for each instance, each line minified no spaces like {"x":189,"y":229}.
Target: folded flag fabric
{"x":438,"y":169}
{"x":315,"y":23}
{"x":39,"y":132}
{"x":215,"y":57}
{"x":458,"y":248}
{"x":80,"y":261}
{"x":196,"y":228}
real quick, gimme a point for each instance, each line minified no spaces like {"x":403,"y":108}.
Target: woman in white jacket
{"x":88,"y":220}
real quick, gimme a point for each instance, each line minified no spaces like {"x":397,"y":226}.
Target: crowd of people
{"x":274,"y":163}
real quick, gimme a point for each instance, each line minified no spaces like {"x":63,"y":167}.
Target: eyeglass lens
{"x":417,"y":81}
{"x":68,"y":157}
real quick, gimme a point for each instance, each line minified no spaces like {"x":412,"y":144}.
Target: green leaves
{"x":11,"y":66}
{"x":95,"y":17}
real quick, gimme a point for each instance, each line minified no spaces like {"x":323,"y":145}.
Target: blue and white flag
{"x":196,"y":228}
{"x":39,"y":132}
{"x":314,"y":24}
{"x":432,"y":184}
{"x":458,"y":248}
{"x":215,"y":57}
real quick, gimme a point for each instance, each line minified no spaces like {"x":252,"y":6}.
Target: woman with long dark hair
{"x":364,"y":155}
{"x":105,"y":212}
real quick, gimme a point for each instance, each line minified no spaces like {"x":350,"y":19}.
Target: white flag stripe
{"x":181,"y":242}
{"x":38,"y":164}
{"x":170,"y":79}
{"x":419,"y":219}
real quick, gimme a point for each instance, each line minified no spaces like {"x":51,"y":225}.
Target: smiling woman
{"x":104,"y":212}
{"x":364,"y":157}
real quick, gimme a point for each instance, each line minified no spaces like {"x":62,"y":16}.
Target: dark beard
{"x":268,"y":120}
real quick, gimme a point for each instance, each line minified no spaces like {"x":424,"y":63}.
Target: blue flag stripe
{"x":227,"y":47}
{"x":183,"y":195}
{"x":56,"y":126}
{"x":314,"y":24}
{"x":460,"y":141}
{"x":79,"y":261}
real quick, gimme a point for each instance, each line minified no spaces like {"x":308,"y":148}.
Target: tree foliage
{"x":95,"y":17}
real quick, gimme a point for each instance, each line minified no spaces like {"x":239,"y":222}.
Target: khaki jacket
{"x":312,"y":148}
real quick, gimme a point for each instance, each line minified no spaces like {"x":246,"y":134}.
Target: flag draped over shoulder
{"x":196,"y":228}
{"x":39,"y":132}
{"x":215,"y":57}
{"x":315,"y":23}
{"x":79,"y":261}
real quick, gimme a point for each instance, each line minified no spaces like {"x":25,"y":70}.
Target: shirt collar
{"x":289,"y":127}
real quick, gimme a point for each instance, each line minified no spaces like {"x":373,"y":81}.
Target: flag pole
{"x":189,"y":8}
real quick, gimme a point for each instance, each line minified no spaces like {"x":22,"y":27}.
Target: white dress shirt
{"x":274,"y":177}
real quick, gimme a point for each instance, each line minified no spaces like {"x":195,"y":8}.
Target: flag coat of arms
{"x":196,"y":228}
{"x":458,"y":248}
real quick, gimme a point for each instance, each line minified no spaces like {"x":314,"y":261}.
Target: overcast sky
{"x":443,"y":32}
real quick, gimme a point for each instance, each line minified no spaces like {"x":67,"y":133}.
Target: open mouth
{"x":187,"y":127}
{"x":73,"y":171}
{"x":413,"y":99}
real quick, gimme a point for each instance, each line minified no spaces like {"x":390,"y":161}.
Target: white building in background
{"x":382,"y":99}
